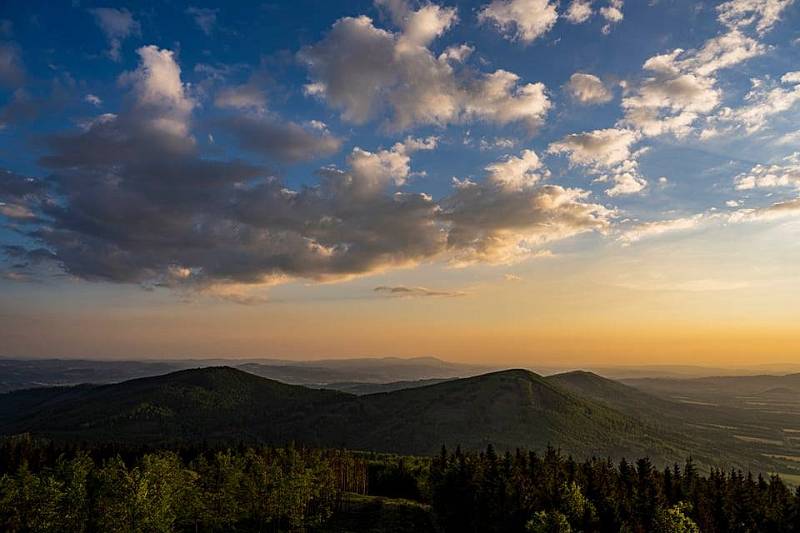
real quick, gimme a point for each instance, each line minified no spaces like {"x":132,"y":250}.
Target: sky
{"x":573,"y":183}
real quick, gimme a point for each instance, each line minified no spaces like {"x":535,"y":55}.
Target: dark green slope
{"x":217,"y":403}
{"x":624,"y":398}
{"x":508,"y":409}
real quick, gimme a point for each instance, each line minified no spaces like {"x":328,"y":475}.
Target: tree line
{"x":550,"y":493}
{"x":218,"y":489}
{"x":48,"y":487}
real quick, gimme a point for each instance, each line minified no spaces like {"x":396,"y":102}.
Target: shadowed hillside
{"x":581,"y":413}
{"x":509,"y":409}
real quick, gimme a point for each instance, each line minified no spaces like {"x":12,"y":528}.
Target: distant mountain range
{"x":18,"y":374}
{"x":358,"y":375}
{"x":579,"y":412}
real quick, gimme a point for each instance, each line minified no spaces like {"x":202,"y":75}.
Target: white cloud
{"x":588,"y":89}
{"x":765,"y":100}
{"x":612,"y":13}
{"x":422,"y":26}
{"x":160,"y":94}
{"x":117,"y":25}
{"x":598,"y":148}
{"x":648,"y":230}
{"x":491,"y":224}
{"x":681,"y":86}
{"x":522,"y":20}
{"x":776,"y":211}
{"x":786,"y":174}
{"x":671,"y":99}
{"x":606,"y":153}
{"x":92,"y":99}
{"x":579,"y":11}
{"x":516,"y":173}
{"x":373,"y":172}
{"x":762,"y":14}
{"x":363,"y":70}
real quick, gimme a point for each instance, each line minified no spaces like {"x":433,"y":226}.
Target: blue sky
{"x":255,"y":152}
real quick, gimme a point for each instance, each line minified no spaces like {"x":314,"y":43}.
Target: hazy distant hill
{"x":382,"y":370}
{"x":16,"y":374}
{"x":719,"y":386}
{"x":362,"y":388}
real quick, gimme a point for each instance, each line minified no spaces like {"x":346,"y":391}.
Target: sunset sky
{"x":583,"y":182}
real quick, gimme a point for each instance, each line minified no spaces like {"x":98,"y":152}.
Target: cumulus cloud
{"x":599,"y":148}
{"x":517,"y":173}
{"x":509,"y":216}
{"x":363,"y":71}
{"x":670,"y":100}
{"x":490,"y":224}
{"x":204,"y":17}
{"x":606,"y":153}
{"x":612,"y":13}
{"x":785,"y":174}
{"x":160,"y":97}
{"x":420,"y":26}
{"x":130,"y":198}
{"x":588,"y":89}
{"x":520,"y":20}
{"x":117,"y":25}
{"x":401,"y":291}
{"x":681,"y":86}
{"x":372,"y":172}
{"x":135,"y":202}
{"x":580,"y":11}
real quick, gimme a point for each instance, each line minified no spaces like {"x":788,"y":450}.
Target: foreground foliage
{"x":555,"y":494}
{"x":49,"y":488}
{"x":250,"y":489}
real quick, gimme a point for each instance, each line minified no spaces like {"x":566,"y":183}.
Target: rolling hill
{"x":510,"y":409}
{"x":215,"y":403}
{"x":581,"y":413}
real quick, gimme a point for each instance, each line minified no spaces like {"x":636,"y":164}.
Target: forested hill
{"x":509,"y":409}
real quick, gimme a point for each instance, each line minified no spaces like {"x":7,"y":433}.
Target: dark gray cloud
{"x":117,"y":25}
{"x":402,"y":291}
{"x":131,"y":198}
{"x":284,"y":141}
{"x":12,"y":71}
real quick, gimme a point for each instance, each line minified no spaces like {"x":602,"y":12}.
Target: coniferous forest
{"x":47,"y":487}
